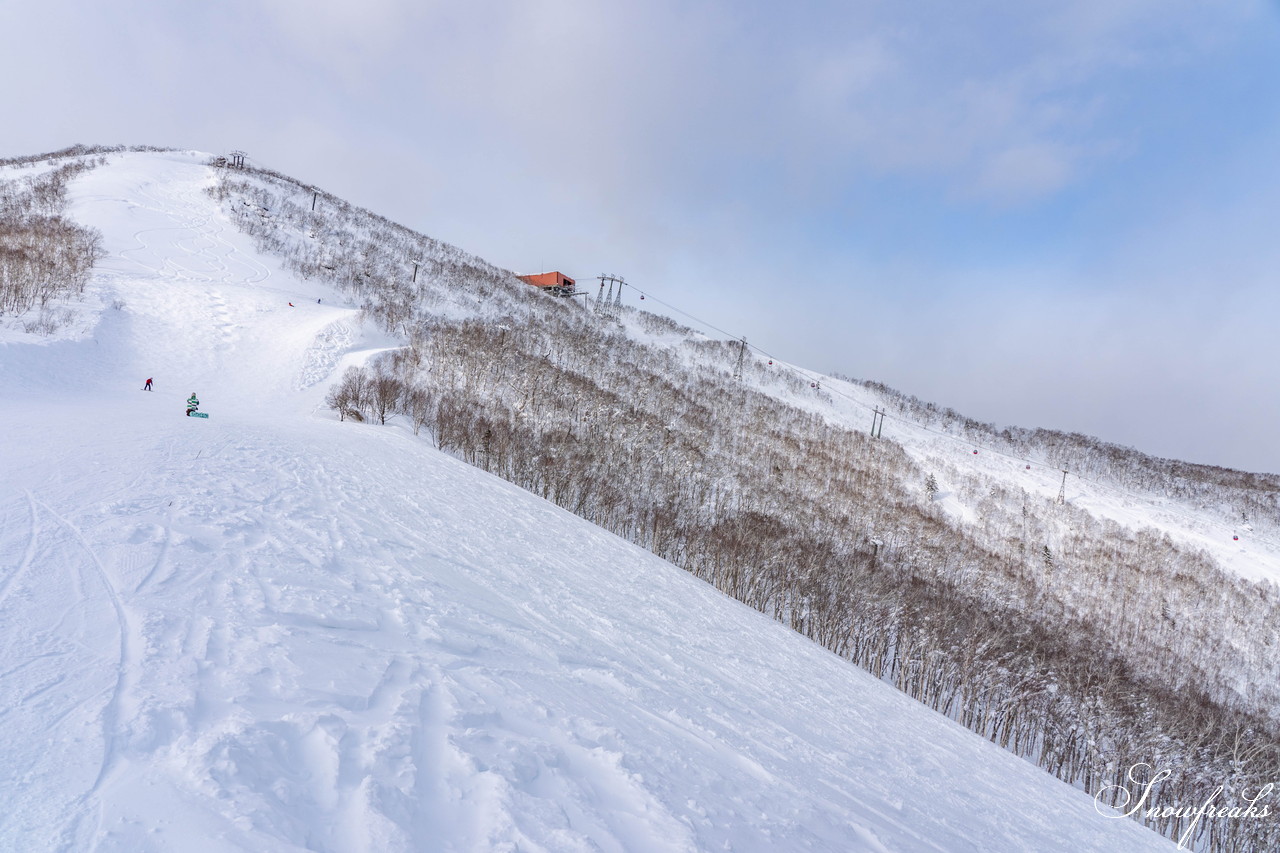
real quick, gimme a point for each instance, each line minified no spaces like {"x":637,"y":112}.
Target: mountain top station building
{"x":555,"y":283}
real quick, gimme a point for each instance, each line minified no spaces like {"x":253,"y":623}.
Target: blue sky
{"x":1046,"y":214}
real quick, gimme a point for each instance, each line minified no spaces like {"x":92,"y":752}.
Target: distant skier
{"x":147,"y":387}
{"x":290,"y":304}
{"x":193,"y":404}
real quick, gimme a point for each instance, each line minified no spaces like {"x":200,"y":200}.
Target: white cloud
{"x":1009,"y":98}
{"x":1024,"y":171}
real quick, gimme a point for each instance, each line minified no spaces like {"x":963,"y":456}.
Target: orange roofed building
{"x":553,"y":282}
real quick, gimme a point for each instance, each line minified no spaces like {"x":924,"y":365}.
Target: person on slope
{"x":193,"y":404}
{"x":147,"y":387}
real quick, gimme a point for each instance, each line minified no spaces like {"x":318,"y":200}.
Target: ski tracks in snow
{"x":324,"y":354}
{"x":187,"y":243}
{"x":126,"y":668}
{"x":71,"y":644}
{"x":12,"y":578}
{"x":283,"y":584}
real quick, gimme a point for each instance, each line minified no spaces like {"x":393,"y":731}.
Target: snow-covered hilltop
{"x":271,"y":630}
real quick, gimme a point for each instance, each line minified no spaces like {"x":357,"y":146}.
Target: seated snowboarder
{"x":193,"y":404}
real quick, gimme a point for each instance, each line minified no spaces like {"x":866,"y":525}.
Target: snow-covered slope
{"x":1249,"y":548}
{"x":272,"y":631}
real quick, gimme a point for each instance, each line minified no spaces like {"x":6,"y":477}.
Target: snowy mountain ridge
{"x":272,"y":630}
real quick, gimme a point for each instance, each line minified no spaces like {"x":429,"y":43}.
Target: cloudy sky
{"x":1045,"y":214}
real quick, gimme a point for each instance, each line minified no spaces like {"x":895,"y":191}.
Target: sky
{"x":1041,"y":214}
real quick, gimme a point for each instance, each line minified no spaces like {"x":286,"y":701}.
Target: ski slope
{"x":273,"y":631}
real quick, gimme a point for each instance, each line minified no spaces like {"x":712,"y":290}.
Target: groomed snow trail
{"x":273,"y":631}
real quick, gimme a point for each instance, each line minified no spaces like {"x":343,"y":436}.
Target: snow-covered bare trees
{"x":350,"y":396}
{"x":44,"y":257}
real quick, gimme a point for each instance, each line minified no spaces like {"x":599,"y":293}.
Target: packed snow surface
{"x":270,"y":630}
